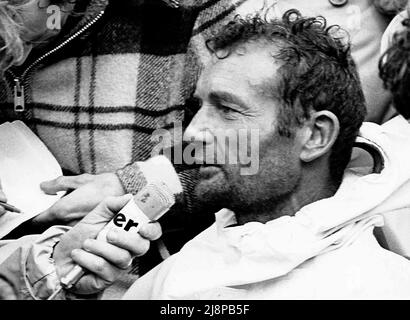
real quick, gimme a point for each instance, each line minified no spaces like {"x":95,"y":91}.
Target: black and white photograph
{"x":218,"y":151}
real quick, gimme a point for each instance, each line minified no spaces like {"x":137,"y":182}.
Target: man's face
{"x":234,"y":96}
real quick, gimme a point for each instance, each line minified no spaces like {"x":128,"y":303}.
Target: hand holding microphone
{"x":108,"y":249}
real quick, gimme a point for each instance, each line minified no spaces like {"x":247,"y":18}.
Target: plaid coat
{"x":116,"y":74}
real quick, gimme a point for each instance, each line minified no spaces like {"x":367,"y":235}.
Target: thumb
{"x":109,"y":207}
{"x":151,"y":231}
{"x":115,"y":204}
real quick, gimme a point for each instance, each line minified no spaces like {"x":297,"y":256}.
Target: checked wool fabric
{"x":96,"y":102}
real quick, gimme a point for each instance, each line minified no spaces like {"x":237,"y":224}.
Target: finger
{"x":115,"y":204}
{"x":4,"y":199}
{"x":50,"y":217}
{"x":65,"y":183}
{"x":2,"y":195}
{"x":60,"y":184}
{"x":151,"y":231}
{"x":58,"y":213}
{"x":130,"y":241}
{"x":2,"y":211}
{"x":109,"y":207}
{"x":45,"y":217}
{"x":96,"y":265}
{"x":64,"y":211}
{"x":119,"y":257}
{"x":72,"y":223}
{"x":7,"y":291}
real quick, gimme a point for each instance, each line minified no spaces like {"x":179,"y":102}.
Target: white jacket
{"x":326,"y":251}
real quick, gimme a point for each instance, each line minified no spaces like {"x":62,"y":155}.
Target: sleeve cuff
{"x":135,"y":176}
{"x":132,"y":178}
{"x":40,"y":273}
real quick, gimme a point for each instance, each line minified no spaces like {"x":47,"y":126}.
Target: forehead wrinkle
{"x":236,"y":71}
{"x":269,"y":88}
{"x":256,"y":68}
{"x":220,"y":77}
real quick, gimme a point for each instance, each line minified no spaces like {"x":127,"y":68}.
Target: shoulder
{"x":395,"y":26}
{"x":362,"y":270}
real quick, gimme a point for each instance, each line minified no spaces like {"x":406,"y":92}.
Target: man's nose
{"x":199,"y":130}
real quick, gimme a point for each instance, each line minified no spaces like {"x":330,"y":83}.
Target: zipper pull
{"x":19,"y":104}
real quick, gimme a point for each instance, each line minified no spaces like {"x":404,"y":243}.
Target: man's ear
{"x":320,"y":135}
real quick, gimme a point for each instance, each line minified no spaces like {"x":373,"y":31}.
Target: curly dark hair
{"x":394,"y":67}
{"x":317,"y":73}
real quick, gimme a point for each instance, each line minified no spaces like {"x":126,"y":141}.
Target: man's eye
{"x":228,"y":112}
{"x":225,"y":109}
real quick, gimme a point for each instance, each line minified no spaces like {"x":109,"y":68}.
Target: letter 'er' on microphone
{"x":150,"y":204}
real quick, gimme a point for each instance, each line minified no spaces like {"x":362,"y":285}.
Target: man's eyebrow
{"x":223,"y":96}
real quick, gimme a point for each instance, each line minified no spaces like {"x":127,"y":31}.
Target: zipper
{"x":19,"y":98}
{"x":19,"y":103}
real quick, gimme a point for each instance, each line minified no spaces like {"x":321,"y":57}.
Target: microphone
{"x":150,"y":204}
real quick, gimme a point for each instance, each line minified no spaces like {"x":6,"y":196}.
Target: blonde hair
{"x":12,"y":14}
{"x":11,"y":44}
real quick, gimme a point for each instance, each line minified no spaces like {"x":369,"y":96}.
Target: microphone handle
{"x":71,"y":278}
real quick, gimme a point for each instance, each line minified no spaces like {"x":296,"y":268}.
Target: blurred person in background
{"x":395,"y":72}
